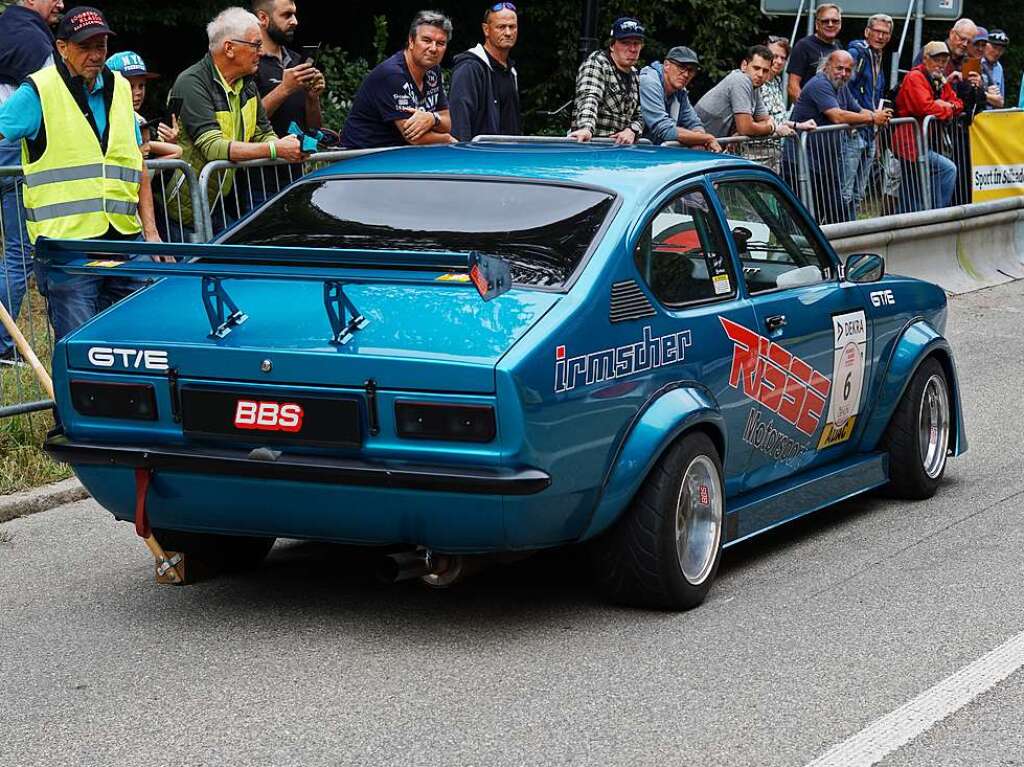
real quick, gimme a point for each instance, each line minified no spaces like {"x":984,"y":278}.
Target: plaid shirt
{"x":604,"y":103}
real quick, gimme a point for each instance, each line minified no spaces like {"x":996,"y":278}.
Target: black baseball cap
{"x":626,"y":27}
{"x":682,"y":55}
{"x":998,"y":37}
{"x":81,"y":23}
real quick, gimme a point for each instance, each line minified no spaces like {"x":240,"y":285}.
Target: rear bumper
{"x":304,"y":468}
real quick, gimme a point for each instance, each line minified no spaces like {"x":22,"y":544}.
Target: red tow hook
{"x":166,"y":566}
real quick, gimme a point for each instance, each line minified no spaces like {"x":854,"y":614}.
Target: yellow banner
{"x":997,"y":156}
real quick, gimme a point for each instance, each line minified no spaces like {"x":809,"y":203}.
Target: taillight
{"x":114,"y":400}
{"x":456,"y":423}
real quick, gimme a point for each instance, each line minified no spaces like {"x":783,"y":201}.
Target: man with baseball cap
{"x":665,"y":102}
{"x":608,"y":88}
{"x":26,"y":46}
{"x":84,"y":173}
{"x":993,"y":79}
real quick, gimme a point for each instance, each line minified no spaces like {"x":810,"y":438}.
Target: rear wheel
{"x":918,"y":434}
{"x":226,"y":553}
{"x":665,"y":550}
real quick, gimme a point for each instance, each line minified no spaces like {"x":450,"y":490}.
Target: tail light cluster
{"x":455,"y":423}
{"x":114,"y":400}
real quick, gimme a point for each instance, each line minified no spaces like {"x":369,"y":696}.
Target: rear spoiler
{"x":334,"y":267}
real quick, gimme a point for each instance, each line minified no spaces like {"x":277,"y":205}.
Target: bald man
{"x":826,"y":100}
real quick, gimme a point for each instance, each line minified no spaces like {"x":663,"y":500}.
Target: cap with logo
{"x":981,"y":36}
{"x":998,"y":37}
{"x":626,"y":27}
{"x":933,"y":49}
{"x":130,"y":64}
{"x":682,"y":55}
{"x":81,"y":23}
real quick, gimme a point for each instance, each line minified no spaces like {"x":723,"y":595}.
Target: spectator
{"x":290,"y":85}
{"x":926,"y":92}
{"x":402,"y":101}
{"x":484,"y":95}
{"x":826,"y":99}
{"x":968,"y":89}
{"x":734,"y":106}
{"x":867,"y":85}
{"x":665,"y":102}
{"x":608,"y":88}
{"x":772,"y":94}
{"x":72,"y":118}
{"x":220,"y":112}
{"x":26,"y":46}
{"x":992,"y":78}
{"x":809,"y":51}
{"x":133,"y":69}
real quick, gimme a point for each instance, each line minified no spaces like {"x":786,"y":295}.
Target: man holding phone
{"x":289,"y":83}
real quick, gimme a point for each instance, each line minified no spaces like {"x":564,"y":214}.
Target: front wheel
{"x":664,"y":551}
{"x":918,"y":434}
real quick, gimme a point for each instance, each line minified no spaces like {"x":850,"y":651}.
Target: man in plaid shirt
{"x":608,"y":88}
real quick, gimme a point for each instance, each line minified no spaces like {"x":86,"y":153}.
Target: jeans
{"x":74,"y":299}
{"x":858,"y":154}
{"x":17,"y":251}
{"x":942,"y":181}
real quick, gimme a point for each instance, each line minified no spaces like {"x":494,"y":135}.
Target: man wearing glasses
{"x":867,"y":85}
{"x":220,"y":112}
{"x":809,"y":51}
{"x":485,"y":86}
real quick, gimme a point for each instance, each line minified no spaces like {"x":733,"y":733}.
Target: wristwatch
{"x":437,"y":118}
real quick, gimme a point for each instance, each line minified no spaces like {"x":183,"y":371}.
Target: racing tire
{"x":223,"y":553}
{"x":665,"y":549}
{"x":917,"y":437}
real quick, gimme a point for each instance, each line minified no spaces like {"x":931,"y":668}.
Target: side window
{"x":681,"y":255}
{"x":775,"y":244}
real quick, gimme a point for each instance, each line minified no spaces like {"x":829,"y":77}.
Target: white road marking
{"x":899,"y":727}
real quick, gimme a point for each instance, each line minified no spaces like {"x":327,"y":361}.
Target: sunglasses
{"x":503,"y":7}
{"x":830,"y":22}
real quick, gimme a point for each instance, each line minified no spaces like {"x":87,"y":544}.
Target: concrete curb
{"x":41,"y":499}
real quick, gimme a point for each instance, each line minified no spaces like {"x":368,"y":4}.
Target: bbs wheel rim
{"x":698,"y":520}
{"x":933,"y":426}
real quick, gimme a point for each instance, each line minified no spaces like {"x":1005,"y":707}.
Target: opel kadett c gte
{"x":464,"y":352}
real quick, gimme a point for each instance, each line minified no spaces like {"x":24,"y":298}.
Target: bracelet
{"x":273,"y":150}
{"x":437,"y":118}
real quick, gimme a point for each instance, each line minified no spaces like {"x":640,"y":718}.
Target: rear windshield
{"x":542,"y":231}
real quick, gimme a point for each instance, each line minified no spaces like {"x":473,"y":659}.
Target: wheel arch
{"x":918,"y":342}
{"x":668,"y":416}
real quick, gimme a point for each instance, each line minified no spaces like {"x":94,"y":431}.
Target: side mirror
{"x":865,"y":267}
{"x":741,"y":236}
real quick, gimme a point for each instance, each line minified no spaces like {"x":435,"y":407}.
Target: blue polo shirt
{"x":21,"y":115}
{"x":381,"y":100}
{"x":817,"y":96}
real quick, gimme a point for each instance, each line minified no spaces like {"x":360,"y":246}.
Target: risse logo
{"x":268,"y":416}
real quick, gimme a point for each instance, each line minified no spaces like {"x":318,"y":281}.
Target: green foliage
{"x":344,"y":74}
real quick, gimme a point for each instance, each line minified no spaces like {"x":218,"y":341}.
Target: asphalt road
{"x":811,"y":633}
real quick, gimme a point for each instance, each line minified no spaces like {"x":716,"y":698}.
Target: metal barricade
{"x":20,"y":391}
{"x":173,"y":182}
{"x":948,"y":159}
{"x":230,"y":191}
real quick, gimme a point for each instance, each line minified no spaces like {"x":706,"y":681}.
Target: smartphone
{"x":173,"y":108}
{"x":309,"y":52}
{"x":969,"y":66}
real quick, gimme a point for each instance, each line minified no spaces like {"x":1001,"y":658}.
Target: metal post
{"x":918,"y":26}
{"x":796,"y":24}
{"x":803,"y":174}
{"x":924,"y":163}
{"x":588,"y":28}
{"x":812,"y":13}
{"x":895,"y":74}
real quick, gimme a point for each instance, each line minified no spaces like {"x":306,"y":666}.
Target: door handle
{"x":775,"y":322}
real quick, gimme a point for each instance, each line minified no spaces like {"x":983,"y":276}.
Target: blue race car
{"x":462,"y":353}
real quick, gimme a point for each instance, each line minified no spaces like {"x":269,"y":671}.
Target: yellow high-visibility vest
{"x":74,"y":190}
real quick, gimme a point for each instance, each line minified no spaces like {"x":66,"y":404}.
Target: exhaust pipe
{"x":437,"y":570}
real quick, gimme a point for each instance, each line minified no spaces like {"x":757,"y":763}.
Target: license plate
{"x":278,"y":418}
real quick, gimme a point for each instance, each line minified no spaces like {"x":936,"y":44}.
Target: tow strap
{"x":169,"y":565}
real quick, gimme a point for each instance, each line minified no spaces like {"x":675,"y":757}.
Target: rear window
{"x":542,"y":231}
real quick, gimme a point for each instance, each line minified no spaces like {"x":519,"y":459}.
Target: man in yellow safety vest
{"x":84,"y":173}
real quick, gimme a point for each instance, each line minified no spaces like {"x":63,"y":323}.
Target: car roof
{"x":628,"y":171}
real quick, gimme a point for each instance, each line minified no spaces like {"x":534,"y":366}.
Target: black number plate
{"x":267,"y":418}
